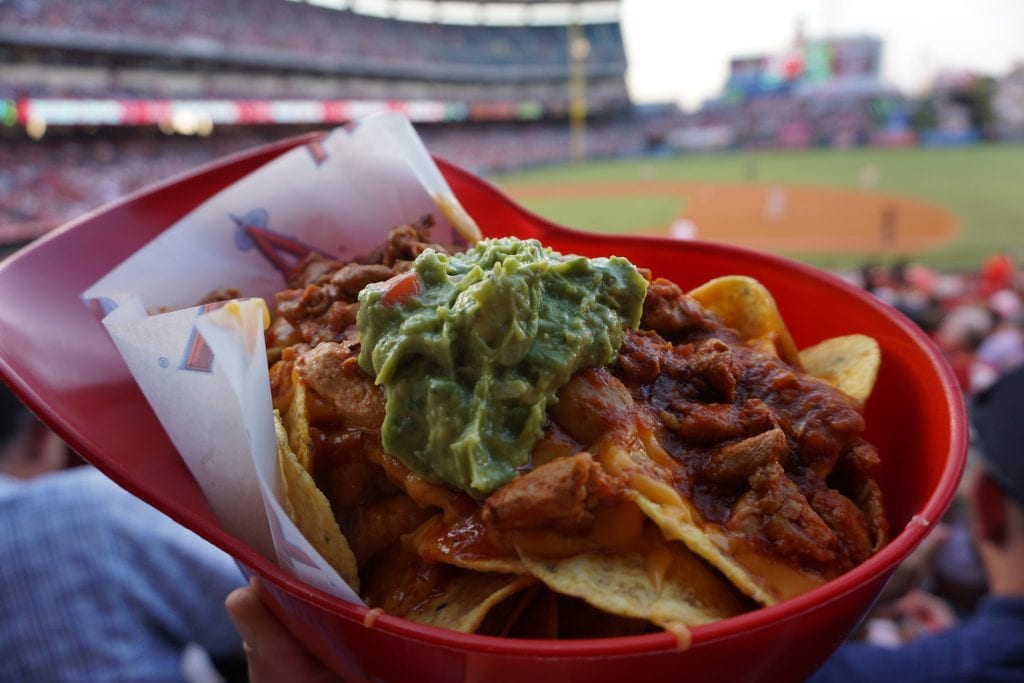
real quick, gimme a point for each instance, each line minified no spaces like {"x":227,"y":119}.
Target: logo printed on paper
{"x":198,"y":356}
{"x":281,"y":251}
{"x":102,"y":306}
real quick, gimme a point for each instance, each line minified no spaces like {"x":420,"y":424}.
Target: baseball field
{"x":946,"y":207}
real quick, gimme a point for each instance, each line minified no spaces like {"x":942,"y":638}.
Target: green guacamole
{"x":472,"y":352}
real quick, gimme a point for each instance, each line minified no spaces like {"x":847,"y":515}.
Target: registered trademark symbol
{"x":164,"y":362}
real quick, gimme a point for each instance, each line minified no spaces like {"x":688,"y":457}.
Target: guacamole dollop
{"x":472,"y":348}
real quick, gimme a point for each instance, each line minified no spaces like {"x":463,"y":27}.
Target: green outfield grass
{"x":983,"y":186}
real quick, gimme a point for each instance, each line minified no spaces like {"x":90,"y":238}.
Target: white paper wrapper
{"x":204,"y":369}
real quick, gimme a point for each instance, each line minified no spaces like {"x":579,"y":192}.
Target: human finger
{"x":271,"y":652}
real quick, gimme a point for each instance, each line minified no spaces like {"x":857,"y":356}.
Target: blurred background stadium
{"x":99,"y":98}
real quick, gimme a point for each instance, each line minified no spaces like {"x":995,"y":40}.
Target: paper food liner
{"x":204,"y":368}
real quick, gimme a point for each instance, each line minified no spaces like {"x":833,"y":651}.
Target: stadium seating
{"x":272,"y":33}
{"x":45,"y":183}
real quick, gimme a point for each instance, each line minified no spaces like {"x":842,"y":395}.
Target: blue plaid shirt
{"x":96,"y":585}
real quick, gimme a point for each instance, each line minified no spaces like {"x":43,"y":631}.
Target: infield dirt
{"x":774,"y":217}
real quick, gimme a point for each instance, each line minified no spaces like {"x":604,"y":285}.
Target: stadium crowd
{"x":43,"y":184}
{"x":976,"y":318}
{"x":838,"y":120}
{"x":271,"y":28}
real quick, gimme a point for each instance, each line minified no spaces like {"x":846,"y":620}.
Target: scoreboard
{"x":833,"y":60}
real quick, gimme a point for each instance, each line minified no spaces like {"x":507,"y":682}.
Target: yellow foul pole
{"x":579,"y":48}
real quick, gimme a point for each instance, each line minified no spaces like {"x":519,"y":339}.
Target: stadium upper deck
{"x":296,"y":36}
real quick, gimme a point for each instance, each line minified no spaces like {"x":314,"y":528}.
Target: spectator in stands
{"x":1003,"y":349}
{"x":997,"y":272}
{"x":959,"y":335}
{"x":914,"y":296}
{"x":95,"y":584}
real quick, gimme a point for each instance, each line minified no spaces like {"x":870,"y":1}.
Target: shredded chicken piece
{"x":774,"y":511}
{"x":333,"y":373}
{"x":559,"y":494}
{"x":312,"y":269}
{"x":738,"y":460}
{"x":590,"y":404}
{"x":352,"y":277}
{"x":710,"y":423}
{"x":667,"y":310}
{"x":846,"y":521}
{"x":322,"y":298}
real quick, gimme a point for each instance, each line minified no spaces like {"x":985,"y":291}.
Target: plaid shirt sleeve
{"x":96,"y":585}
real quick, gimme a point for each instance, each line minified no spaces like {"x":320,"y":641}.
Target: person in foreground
{"x":95,"y":584}
{"x":989,"y":645}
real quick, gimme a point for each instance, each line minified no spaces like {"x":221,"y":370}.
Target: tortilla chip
{"x":296,"y":423}
{"x":747,"y":306}
{"x":463,"y":223}
{"x":662,"y":582}
{"x":307,"y":506}
{"x":466,"y":599}
{"x":638,"y":455}
{"x":534,"y":615}
{"x":679,"y":522}
{"x":848,"y":363}
{"x":403,"y":584}
{"x":761,"y":578}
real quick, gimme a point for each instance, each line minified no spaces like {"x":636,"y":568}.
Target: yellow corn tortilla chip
{"x":463,"y":223}
{"x":848,"y":363}
{"x":466,"y":599}
{"x":296,"y":424}
{"x":763,"y":579}
{"x":747,"y":306}
{"x":403,"y":584}
{"x":663,"y":583}
{"x":307,"y":506}
{"x":637,"y":454}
